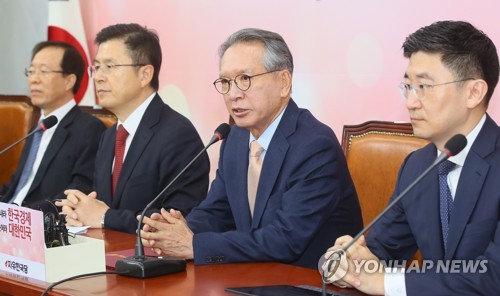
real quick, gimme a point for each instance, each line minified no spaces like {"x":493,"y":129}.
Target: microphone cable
{"x":47,"y":290}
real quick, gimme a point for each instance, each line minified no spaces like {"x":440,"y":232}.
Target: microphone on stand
{"x":42,"y":126}
{"x":141,"y":266}
{"x":454,"y":145}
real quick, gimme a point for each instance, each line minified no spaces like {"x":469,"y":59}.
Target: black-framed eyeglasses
{"x":108,"y":68}
{"x":419,"y":89}
{"x":242,"y":81}
{"x":43,"y":72}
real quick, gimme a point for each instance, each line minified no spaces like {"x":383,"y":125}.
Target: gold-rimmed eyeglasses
{"x":419,"y":89}
{"x":108,"y":68}
{"x":242,"y":81}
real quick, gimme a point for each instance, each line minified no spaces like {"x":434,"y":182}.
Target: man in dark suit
{"x":452,"y":216}
{"x":148,"y":147}
{"x":304,"y":198}
{"x":63,"y":156}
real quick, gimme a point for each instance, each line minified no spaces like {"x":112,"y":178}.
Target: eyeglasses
{"x":419,"y":89}
{"x":242,"y":81}
{"x":44,"y":72}
{"x":108,"y":68}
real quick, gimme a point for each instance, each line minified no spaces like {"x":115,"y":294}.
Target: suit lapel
{"x":19,"y":169}
{"x":470,"y":184}
{"x":105,"y":170}
{"x":237,"y":183}
{"x":55,"y":145}
{"x":421,"y":203}
{"x":274,"y":160}
{"x":142,"y":137}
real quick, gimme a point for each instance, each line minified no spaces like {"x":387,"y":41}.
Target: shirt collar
{"x":267,"y":135}
{"x":459,"y":159}
{"x":59,"y":112}
{"x":132,"y":122}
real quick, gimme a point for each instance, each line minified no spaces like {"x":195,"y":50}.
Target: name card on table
{"x":23,"y":250}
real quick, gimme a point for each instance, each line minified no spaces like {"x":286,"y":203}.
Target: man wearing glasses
{"x":282,"y":191}
{"x":147,"y":148}
{"x":452,"y":216}
{"x":61,"y":157}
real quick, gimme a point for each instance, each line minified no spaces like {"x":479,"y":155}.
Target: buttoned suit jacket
{"x":305,"y":198}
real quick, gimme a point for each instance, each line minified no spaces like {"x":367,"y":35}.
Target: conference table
{"x":196,"y":280}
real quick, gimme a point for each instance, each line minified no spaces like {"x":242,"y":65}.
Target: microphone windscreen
{"x":48,"y":122}
{"x":223,"y":131}
{"x":456,"y":144}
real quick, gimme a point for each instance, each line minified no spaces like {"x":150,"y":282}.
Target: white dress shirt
{"x":132,"y":123}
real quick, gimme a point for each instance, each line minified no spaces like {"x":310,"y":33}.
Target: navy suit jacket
{"x":474,"y":231}
{"x":305,"y":198}
{"x":68,"y":161}
{"x":164,"y":143}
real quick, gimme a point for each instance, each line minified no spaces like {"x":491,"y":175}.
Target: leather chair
{"x":375,"y":151}
{"x":104,"y":115}
{"x":16,"y":118}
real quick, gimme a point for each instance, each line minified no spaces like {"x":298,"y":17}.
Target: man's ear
{"x":70,"y":81}
{"x":477,"y":90}
{"x":146,"y":74}
{"x":285,"y":79}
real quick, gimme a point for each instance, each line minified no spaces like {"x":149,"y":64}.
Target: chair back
{"x":375,"y":151}
{"x":15,"y":122}
{"x":107,"y":118}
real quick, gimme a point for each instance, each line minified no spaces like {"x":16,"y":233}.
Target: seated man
{"x":452,"y":216}
{"x":304,"y":197}
{"x":61,"y":157}
{"x":147,"y":148}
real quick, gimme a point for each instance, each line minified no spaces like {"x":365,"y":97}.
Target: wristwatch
{"x":102,"y":219}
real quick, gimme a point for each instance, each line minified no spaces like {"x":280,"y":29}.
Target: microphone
{"x":141,"y":266}
{"x":42,"y":126}
{"x":454,"y":145}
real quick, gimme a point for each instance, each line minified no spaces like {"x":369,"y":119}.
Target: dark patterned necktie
{"x":445,"y":198}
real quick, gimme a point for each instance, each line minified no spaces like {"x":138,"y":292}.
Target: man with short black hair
{"x":452,"y":216}
{"x":147,"y":148}
{"x":61,"y":157}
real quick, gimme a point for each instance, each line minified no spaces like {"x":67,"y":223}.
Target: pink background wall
{"x":347,"y":54}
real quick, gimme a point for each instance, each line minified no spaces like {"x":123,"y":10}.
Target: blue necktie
{"x":445,"y":198}
{"x":28,"y":166}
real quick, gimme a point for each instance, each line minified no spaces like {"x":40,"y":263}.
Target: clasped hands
{"x":356,"y":268}
{"x":82,"y":209}
{"x":168,"y":234}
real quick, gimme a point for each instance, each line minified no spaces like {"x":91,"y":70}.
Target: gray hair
{"x":277,"y":55}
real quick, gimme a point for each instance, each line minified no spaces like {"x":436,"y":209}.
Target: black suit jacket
{"x":164,"y":143}
{"x":68,"y":161}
